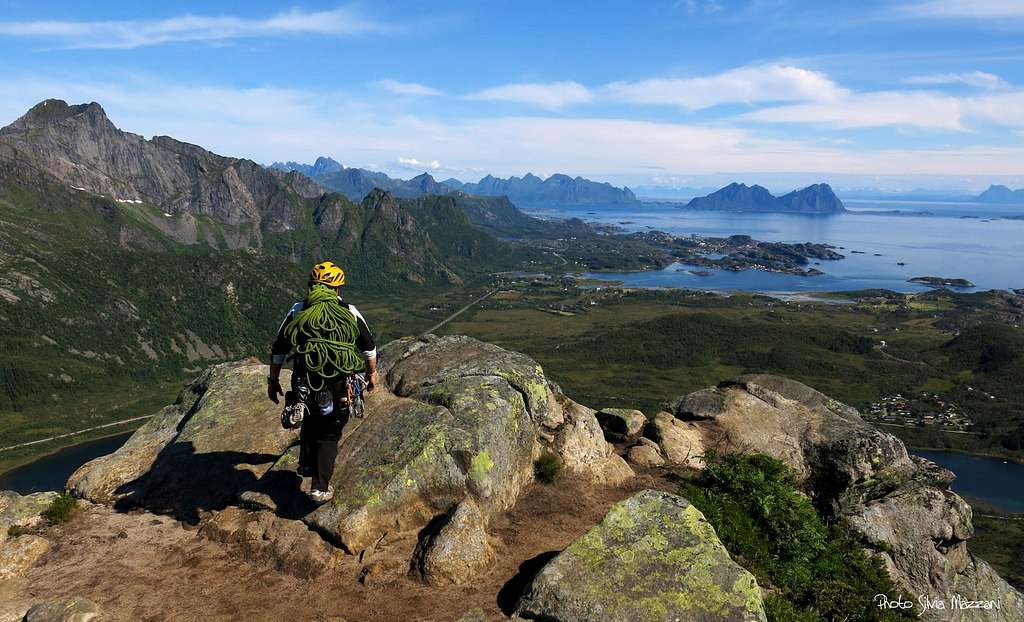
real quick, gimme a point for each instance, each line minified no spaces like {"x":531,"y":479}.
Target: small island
{"x":941,"y":282}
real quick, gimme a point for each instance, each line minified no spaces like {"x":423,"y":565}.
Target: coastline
{"x":1015,"y":459}
{"x":21,"y":461}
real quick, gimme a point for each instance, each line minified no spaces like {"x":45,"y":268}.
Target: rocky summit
{"x":437,"y":514}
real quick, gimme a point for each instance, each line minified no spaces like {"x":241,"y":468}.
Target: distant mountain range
{"x":1001,"y":194}
{"x":558,"y":189}
{"x":815,"y":199}
{"x":322,"y":166}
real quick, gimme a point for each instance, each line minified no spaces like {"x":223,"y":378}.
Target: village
{"x":923,"y":409}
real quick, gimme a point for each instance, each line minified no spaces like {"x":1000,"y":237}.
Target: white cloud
{"x":413,"y":163}
{"x":550,"y":95}
{"x":979,"y":9}
{"x":407,"y":88}
{"x":978,"y":79}
{"x":910,"y":109}
{"x":343,"y":21}
{"x":269,"y":124}
{"x":745,"y":85}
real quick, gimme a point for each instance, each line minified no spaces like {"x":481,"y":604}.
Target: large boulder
{"x":681,"y":442}
{"x":645,"y":453}
{"x":198,"y":454}
{"x":20,"y":553}
{"x":920,"y":532}
{"x":463,"y":418}
{"x":826,"y":442}
{"x":653,"y":557}
{"x":581,"y":445}
{"x":456,"y":550}
{"x":23,"y":511}
{"x":621,"y":424}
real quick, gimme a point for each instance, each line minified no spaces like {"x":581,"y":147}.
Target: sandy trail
{"x":139,"y":566}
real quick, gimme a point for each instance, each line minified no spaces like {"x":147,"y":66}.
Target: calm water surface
{"x":51,"y":472}
{"x":994,"y":480}
{"x":986,"y":248}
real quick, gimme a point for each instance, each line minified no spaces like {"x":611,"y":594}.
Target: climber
{"x":331,"y":344}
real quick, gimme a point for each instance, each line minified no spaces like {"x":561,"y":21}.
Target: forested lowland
{"x":636,"y":348}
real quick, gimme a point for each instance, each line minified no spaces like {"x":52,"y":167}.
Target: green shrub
{"x":62,"y":509}
{"x":547,"y":468}
{"x":817,"y":572}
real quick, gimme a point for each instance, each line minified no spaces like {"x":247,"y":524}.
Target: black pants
{"x":319,"y":436}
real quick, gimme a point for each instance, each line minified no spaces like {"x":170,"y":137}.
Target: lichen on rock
{"x":653,"y":557}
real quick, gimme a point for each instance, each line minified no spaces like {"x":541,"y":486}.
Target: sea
{"x":886,"y":243}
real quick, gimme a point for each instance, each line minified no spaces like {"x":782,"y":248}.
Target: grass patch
{"x":811,"y":571}
{"x":62,"y":509}
{"x":17,"y":530}
{"x":547,"y":468}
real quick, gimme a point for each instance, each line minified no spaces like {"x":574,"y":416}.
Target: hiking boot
{"x":322,"y":496}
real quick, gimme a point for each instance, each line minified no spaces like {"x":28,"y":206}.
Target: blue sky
{"x":898,"y":94}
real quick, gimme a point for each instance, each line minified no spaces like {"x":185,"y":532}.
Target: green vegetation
{"x":110,"y":327}
{"x":811,"y":571}
{"x":547,"y":468}
{"x":17,"y":530}
{"x":62,"y":509}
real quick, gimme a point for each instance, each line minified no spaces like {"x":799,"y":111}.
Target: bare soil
{"x":139,"y":566}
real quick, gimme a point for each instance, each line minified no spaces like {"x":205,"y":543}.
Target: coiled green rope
{"x":324,"y":335}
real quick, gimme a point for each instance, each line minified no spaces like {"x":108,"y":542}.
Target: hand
{"x":274,"y":389}
{"x":371,"y":381}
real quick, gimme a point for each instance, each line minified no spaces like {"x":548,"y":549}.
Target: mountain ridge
{"x":527,"y":190}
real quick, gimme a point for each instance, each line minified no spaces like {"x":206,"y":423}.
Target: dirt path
{"x":460,"y":312}
{"x":143,"y":567}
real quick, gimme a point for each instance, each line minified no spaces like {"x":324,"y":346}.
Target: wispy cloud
{"x":342,"y":21}
{"x":863,"y":110}
{"x":744,"y":85}
{"x":699,"y":7}
{"x":413,"y":89}
{"x":550,"y":95}
{"x":977,"y":79}
{"x":972,"y":9}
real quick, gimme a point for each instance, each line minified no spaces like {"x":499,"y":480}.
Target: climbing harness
{"x":323,"y":335}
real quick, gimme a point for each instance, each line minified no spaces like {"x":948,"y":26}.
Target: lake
{"x":998,"y":482}
{"x":985,"y":248}
{"x":51,"y":472}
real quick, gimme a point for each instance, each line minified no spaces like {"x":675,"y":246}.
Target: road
{"x":459,"y":312}
{"x":76,"y":433}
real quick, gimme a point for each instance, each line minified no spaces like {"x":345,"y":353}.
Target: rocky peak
{"x":53,"y":111}
{"x":817,"y":198}
{"x":77,"y":146}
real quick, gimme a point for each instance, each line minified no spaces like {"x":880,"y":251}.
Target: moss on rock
{"x":652,"y":557}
